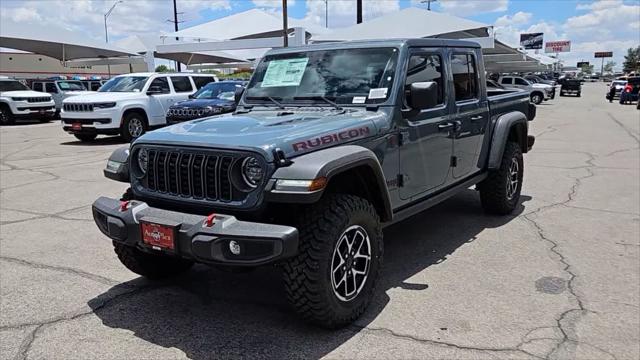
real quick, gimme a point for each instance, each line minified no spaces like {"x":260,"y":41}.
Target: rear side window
{"x":95,"y":86}
{"x":37,"y":86}
{"x":181,"y":84}
{"x":465,"y":79}
{"x":423,"y":68}
{"x":50,"y":88}
{"x":506,"y":81}
{"x":162,"y":83}
{"x":521,"y":82}
{"x":201,"y":81}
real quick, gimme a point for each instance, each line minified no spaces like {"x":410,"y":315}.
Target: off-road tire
{"x":85,"y":137}
{"x":307,"y":276}
{"x":494,"y":189}
{"x":148,"y":265}
{"x":6,"y":117}
{"x":125,"y":132}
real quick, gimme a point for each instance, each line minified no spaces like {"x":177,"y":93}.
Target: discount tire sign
{"x":557,"y":46}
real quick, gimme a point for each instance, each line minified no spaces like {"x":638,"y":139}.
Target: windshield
{"x":346,"y":76}
{"x":71,"y":85}
{"x":225,"y":91}
{"x":124,"y":84}
{"x":12,"y":86}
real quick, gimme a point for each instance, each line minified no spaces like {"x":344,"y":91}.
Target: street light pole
{"x":285,"y":26}
{"x":106,"y":32}
{"x":428,"y":3}
{"x":326,"y":14}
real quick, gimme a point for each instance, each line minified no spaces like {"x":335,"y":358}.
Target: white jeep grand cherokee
{"x":17,"y":101}
{"x":128,"y":105}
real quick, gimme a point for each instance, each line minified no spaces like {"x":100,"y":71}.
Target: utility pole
{"x":428,"y":3}
{"x":175,"y":26}
{"x":359,"y":11}
{"x":285,"y":26}
{"x":326,"y":14}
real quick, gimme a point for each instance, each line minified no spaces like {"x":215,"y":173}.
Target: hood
{"x":295,"y":133}
{"x":199,"y":103}
{"x":24,"y":93}
{"x":92,"y":96}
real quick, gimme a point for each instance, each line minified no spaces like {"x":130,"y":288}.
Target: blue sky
{"x":591,"y":25}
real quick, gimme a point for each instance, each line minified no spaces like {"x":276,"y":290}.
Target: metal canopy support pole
{"x":359,"y":11}
{"x":602,"y":68}
{"x":285,"y":26}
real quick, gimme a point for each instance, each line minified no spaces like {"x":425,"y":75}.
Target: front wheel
{"x":149,"y":265}
{"x":6,"y":117}
{"x":332,"y":279}
{"x":536,"y":98}
{"x":500,"y":191}
{"x":133,"y":126}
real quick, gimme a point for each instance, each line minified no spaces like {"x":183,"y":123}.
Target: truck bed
{"x":504,"y":101}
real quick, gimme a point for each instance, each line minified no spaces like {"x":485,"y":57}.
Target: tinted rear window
{"x":181,"y":84}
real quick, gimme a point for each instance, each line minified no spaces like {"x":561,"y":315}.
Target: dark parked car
{"x":571,"y":86}
{"x":212,"y":99}
{"x":630,"y":91}
{"x":329,"y":144}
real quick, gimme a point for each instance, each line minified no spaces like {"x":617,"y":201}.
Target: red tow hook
{"x":209,"y":222}
{"x":124,"y":205}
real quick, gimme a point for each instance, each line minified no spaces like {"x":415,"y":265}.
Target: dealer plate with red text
{"x":158,"y":236}
{"x":76,"y":126}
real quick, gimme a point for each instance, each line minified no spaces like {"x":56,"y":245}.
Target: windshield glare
{"x":12,"y":86}
{"x":71,"y":85}
{"x":217,"y":91}
{"x":346,"y":76}
{"x":124,"y":84}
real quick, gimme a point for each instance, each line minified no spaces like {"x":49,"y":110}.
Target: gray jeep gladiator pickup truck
{"x":329,"y":144}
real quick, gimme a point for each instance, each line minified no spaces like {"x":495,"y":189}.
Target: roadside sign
{"x":557,"y":46}
{"x":603,"y":54}
{"x":531,"y":41}
{"x":582,"y":63}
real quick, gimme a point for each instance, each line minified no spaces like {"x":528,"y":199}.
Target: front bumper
{"x":89,"y":126}
{"x":259,"y":243}
{"x":30,"y":111}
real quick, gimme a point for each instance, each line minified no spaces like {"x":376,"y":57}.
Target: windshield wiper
{"x":273,"y":100}
{"x":318,"y":97}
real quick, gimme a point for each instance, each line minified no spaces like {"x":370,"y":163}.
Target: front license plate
{"x":158,"y":236}
{"x":41,"y":111}
{"x":76,"y":126}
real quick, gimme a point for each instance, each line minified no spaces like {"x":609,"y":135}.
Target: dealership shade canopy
{"x":57,"y":43}
{"x":411,"y":22}
{"x":504,"y":59}
{"x":144,"y":44}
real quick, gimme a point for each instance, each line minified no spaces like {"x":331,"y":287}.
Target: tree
{"x":632,"y":60}
{"x":163,"y":69}
{"x":587,"y":69}
{"x":608,"y":67}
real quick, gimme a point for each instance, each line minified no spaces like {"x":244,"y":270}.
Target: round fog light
{"x":234,"y":247}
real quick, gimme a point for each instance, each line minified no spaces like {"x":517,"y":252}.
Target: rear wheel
{"x":150,"y":265}
{"x":500,"y":191}
{"x":133,"y":126}
{"x":537,"y":98}
{"x":6,"y":117}
{"x":332,"y":279}
{"x":85,"y":137}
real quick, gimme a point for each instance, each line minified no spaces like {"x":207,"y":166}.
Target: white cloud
{"x":272,"y":3}
{"x":469,"y":7}
{"x":518,"y":18}
{"x":343,"y":13}
{"x":609,"y":14}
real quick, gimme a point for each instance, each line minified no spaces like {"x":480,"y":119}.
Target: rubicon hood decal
{"x":334,"y":138}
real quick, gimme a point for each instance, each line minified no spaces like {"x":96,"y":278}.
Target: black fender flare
{"x":503,"y":127}
{"x":118,"y":165}
{"x":328,"y":163}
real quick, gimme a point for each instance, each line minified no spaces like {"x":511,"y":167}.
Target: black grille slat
{"x":151,"y":171}
{"x":211,"y":178}
{"x":172,"y":168}
{"x":185,"y":188}
{"x":162,"y":171}
{"x":197,"y":176}
{"x":223,"y":179}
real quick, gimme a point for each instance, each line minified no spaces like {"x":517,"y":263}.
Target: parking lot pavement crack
{"x":409,"y":337}
{"x":25,"y":345}
{"x":629,"y":131}
{"x":67,"y":270}
{"x":38,"y":215}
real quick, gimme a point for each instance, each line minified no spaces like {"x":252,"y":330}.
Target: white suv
{"x":538,"y":92}
{"x":128,"y":105}
{"x":17,"y":101}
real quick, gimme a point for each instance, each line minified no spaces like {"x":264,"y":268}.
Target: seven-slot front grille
{"x":38,"y":99}
{"x":195,"y":175}
{"x":78,"y":107}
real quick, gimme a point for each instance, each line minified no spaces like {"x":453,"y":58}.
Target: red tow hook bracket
{"x":124,"y":205}
{"x":209,"y":221}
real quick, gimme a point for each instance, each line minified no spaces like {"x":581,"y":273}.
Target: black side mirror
{"x":423,"y":95}
{"x":238,"y":94}
{"x":191,"y":96}
{"x":155,"y":89}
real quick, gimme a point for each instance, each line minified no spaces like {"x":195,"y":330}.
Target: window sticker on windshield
{"x":378,"y":93}
{"x":286,"y":72}
{"x":359,"y":100}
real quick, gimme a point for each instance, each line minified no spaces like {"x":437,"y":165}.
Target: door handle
{"x":476,"y":118}
{"x":446,"y":126}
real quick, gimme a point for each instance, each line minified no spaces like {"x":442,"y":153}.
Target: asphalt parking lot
{"x":559,"y":279}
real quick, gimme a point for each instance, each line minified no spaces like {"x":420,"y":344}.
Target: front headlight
{"x":104,"y":105}
{"x":252,"y":171}
{"x":19,"y":99}
{"x":143,"y":160}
